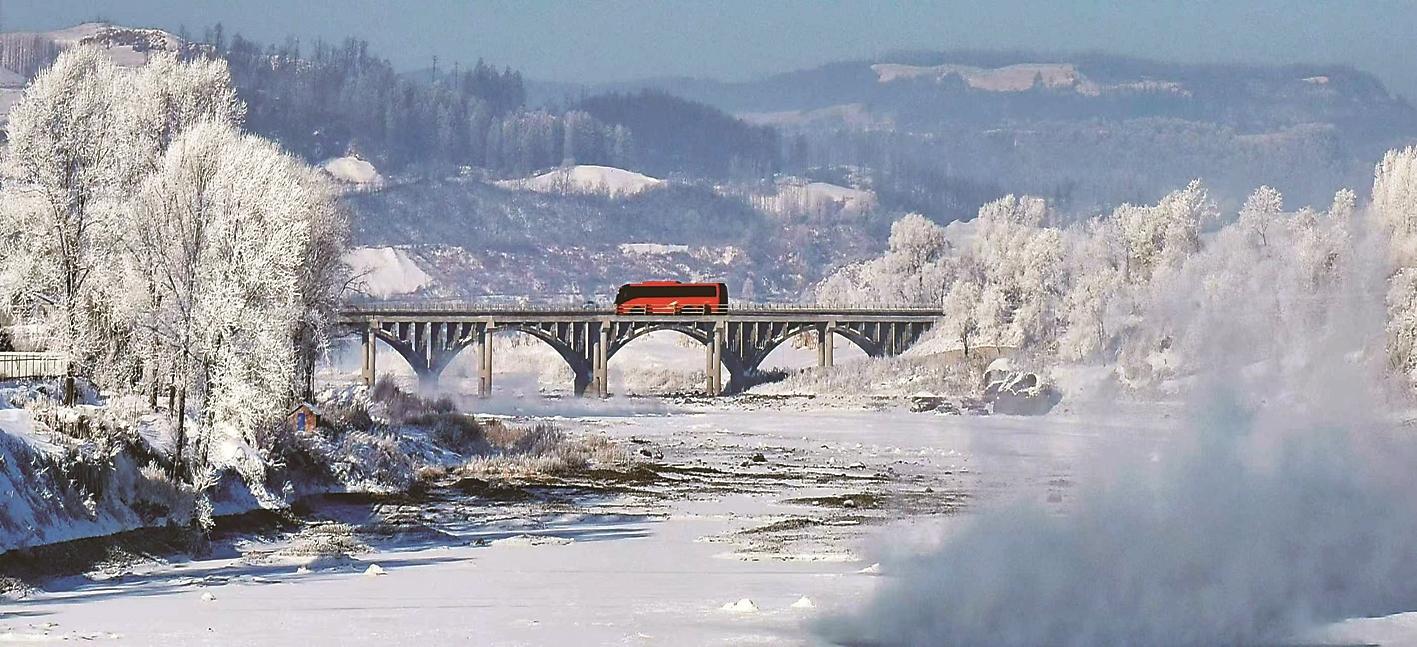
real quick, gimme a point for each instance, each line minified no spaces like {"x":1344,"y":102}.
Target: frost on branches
{"x":151,"y":241}
{"x":1146,"y":288}
{"x":914,"y":270}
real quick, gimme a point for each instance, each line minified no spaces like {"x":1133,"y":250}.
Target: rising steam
{"x":1286,"y":499}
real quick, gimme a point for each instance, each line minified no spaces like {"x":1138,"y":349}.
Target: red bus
{"x":671,"y":298}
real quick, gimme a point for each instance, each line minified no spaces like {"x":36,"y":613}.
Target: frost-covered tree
{"x":83,"y":137}
{"x":226,"y":223}
{"x":1163,"y":235}
{"x":156,"y":244}
{"x":1015,"y":263}
{"x":1095,"y":266}
{"x":1260,"y":213}
{"x":62,"y":202}
{"x":1394,"y":211}
{"x":916,"y":269}
{"x":962,"y":306}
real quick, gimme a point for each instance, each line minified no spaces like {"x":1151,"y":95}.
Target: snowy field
{"x":635,"y":563}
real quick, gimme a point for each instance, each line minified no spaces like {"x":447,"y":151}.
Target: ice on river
{"x":683,"y":569}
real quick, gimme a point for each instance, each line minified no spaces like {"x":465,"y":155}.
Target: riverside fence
{"x":30,"y":365}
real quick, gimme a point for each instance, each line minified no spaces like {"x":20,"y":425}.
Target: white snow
{"x":1010,"y":78}
{"x":386,"y":271}
{"x":374,"y":570}
{"x":351,"y":169}
{"x":742,"y":606}
{"x":794,"y":196}
{"x":1020,"y":77}
{"x":587,"y":179}
{"x":645,"y":579}
{"x":652,"y":249}
{"x":532,"y":540}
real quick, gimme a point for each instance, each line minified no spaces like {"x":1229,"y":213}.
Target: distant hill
{"x":1088,"y":131}
{"x":24,"y":54}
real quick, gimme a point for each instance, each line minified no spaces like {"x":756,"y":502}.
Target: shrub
{"x":454,"y":431}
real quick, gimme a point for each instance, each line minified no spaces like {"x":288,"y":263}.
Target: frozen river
{"x":769,"y":505}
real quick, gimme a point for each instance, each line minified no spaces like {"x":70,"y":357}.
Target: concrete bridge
{"x":429,"y":335}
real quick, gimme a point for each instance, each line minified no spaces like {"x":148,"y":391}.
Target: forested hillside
{"x":939,"y":131}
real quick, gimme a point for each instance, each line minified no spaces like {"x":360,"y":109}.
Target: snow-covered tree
{"x":1260,"y":213}
{"x":83,"y":137}
{"x":61,"y":174}
{"x":916,"y":269}
{"x":1016,"y":265}
{"x":1394,"y":211}
{"x":225,"y":223}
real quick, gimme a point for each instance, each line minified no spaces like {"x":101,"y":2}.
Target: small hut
{"x":305,"y":417}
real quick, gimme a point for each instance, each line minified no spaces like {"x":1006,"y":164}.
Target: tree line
{"x":331,"y":100}
{"x":157,"y":246}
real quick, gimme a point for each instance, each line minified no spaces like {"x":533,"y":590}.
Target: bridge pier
{"x":484,"y":363}
{"x":825,"y":345}
{"x":368,"y":361}
{"x":715,"y":361}
{"x":600,"y":371}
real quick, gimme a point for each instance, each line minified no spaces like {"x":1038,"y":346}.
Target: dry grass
{"x":541,"y":450}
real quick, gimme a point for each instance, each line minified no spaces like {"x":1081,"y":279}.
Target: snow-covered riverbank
{"x":771,"y":506}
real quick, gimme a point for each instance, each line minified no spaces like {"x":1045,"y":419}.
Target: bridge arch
{"x":580,"y":366}
{"x":659,"y":344}
{"x":695,"y":333}
{"x":776,"y":342}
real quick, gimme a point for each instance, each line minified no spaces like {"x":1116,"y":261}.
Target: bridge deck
{"x":429,"y":334}
{"x":466,"y":312}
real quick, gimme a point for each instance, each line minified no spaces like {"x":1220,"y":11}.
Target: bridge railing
{"x":413,"y":306}
{"x":15,"y":366}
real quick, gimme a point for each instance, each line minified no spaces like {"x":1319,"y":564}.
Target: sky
{"x":615,"y":40}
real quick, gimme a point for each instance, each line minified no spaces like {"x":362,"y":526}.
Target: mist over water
{"x":1286,"y":499}
{"x":1261,"y":524}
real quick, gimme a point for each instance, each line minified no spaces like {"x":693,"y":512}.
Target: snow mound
{"x":352,"y":170}
{"x":652,"y":249}
{"x":587,"y":179}
{"x":386,"y":271}
{"x":804,"y":602}
{"x":796,"y":196}
{"x":533,"y":540}
{"x":127,"y":46}
{"x":742,"y":606}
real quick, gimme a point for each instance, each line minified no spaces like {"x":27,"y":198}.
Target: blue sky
{"x":617,"y":40}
